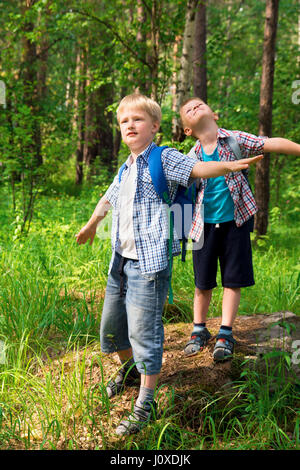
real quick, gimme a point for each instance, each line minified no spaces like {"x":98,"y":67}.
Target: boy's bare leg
{"x":149,"y":381}
{"x":230,"y":305}
{"x":202,"y":300}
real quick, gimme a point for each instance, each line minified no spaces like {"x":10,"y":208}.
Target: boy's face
{"x":137,"y":128}
{"x":195,"y":112}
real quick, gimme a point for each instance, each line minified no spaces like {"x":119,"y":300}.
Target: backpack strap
{"x":157,"y":174}
{"x":234,"y":145}
{"x":161,"y":187}
{"x":122,"y":168}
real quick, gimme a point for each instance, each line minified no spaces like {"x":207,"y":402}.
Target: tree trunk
{"x":184,"y":78}
{"x":80,"y":103}
{"x":199,"y":63}
{"x":174,"y":79}
{"x":100,"y":143}
{"x":153,"y":58}
{"x":298,"y":58}
{"x":42,"y":53}
{"x":31,"y":85}
{"x":141,"y":39}
{"x":262,"y":188}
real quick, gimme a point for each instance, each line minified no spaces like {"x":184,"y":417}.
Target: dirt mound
{"x":183,"y":380}
{"x":255,"y":336}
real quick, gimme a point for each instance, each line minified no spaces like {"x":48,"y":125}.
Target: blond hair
{"x":136,"y":100}
{"x":183,"y":123}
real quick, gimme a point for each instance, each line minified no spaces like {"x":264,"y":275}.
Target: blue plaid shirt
{"x":150,"y":221}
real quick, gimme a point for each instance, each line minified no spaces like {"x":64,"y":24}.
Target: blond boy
{"x":137,"y":286}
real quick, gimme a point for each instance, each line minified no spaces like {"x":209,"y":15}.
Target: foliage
{"x":60,"y":29}
{"x":51,"y":289}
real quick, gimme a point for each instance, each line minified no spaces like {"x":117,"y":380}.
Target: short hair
{"x":137,"y":100}
{"x":186,"y":102}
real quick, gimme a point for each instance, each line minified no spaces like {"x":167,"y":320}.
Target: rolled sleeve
{"x":112,"y":193}
{"x":178,"y":167}
{"x":250,"y":144}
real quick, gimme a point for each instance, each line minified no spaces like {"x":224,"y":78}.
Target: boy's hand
{"x":214,"y":169}
{"x":88,"y":232}
{"x":243,"y":164}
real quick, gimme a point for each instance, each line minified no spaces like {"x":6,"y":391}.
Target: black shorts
{"x":232,"y":246}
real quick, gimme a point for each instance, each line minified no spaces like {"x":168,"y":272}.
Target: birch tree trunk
{"x":199,"y":62}
{"x":153,"y":58}
{"x":141,"y":39}
{"x":174,"y":76}
{"x":262,"y":185}
{"x":185,"y":71}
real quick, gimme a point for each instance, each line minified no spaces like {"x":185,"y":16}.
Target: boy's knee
{"x":202,"y":292}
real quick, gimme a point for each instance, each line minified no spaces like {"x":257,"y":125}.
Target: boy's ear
{"x":216,"y":116}
{"x":156,"y":126}
{"x":187,"y":131}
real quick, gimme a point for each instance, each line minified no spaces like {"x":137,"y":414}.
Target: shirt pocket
{"x":146,"y":186}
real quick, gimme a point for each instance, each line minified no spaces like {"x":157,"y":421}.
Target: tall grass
{"x":51,"y":295}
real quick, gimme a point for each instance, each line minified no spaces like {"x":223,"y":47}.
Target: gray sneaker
{"x":126,"y":376}
{"x":137,"y":420}
{"x":223,"y":348}
{"x":197,"y":342}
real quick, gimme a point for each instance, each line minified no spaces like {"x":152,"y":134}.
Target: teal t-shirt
{"x":218,"y":203}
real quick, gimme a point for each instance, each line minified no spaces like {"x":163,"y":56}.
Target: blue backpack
{"x":182,"y":206}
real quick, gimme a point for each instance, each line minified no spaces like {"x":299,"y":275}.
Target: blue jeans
{"x":135,"y":320}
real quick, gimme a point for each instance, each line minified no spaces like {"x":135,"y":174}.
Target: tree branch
{"x":146,"y":6}
{"x":115,"y":33}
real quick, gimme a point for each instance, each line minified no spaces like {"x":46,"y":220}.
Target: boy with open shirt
{"x":138,"y":280}
{"x":229,"y":207}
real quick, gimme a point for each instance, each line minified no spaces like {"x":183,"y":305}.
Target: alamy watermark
{"x":2,"y":93}
{"x":152,"y":222}
{"x":296,"y":94}
{"x":296,"y":353}
{"x":2,"y":352}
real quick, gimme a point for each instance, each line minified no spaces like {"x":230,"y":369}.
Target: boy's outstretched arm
{"x":281,"y":145}
{"x":88,"y":232}
{"x":214,"y":169}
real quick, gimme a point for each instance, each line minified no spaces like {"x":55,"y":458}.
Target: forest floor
{"x":190,"y":377}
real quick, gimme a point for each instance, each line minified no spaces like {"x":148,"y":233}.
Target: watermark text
{"x":2,"y":93}
{"x":296,"y":94}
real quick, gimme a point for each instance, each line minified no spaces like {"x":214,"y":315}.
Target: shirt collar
{"x":144,"y":154}
{"x":221,"y":134}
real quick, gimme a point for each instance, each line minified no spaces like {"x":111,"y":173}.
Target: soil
{"x":255,"y":335}
{"x":193,"y":377}
{"x":183,"y":380}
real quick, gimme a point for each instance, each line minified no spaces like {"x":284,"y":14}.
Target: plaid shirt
{"x":244,"y":202}
{"x":150,"y":221}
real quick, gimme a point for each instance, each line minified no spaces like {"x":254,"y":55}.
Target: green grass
{"x":51,"y":294}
